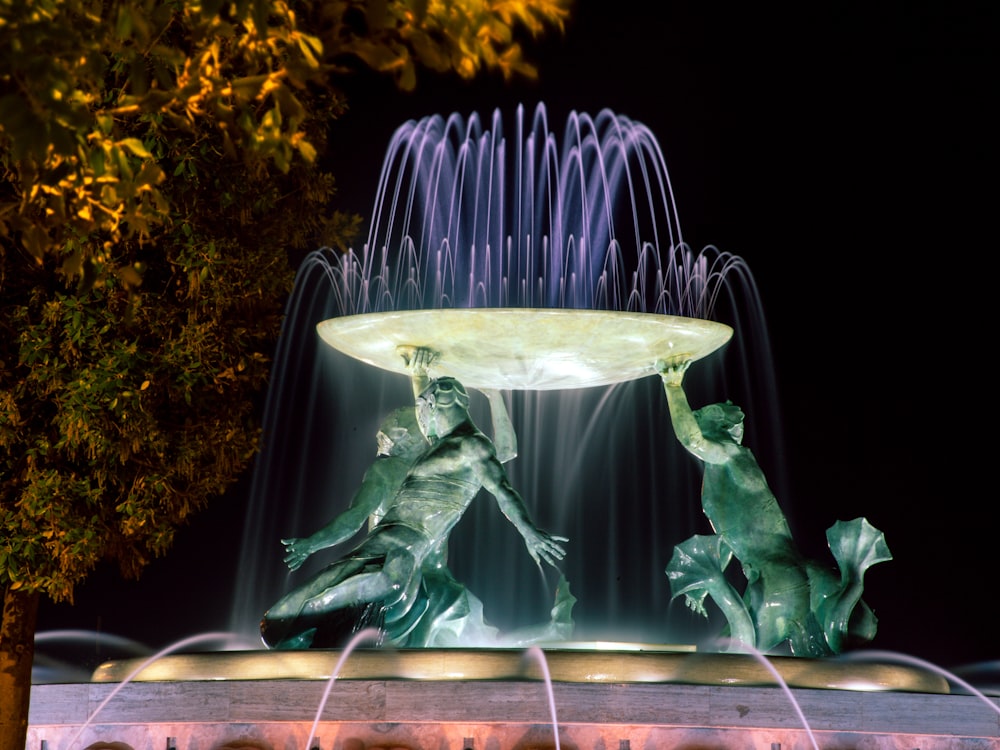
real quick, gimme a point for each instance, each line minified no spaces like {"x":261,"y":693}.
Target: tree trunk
{"x":17,"y":651}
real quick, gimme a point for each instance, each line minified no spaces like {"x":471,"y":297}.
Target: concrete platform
{"x":599,"y":711}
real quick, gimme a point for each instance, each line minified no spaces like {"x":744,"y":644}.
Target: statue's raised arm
{"x":686,"y":427}
{"x":418,"y":360}
{"x":504,"y":437}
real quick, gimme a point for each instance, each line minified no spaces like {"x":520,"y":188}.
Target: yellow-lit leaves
{"x":131,"y":276}
{"x":304,"y":147}
{"x":149,"y":176}
{"x":44,"y":540}
{"x":136,"y":147}
{"x":121,"y":413}
{"x":178,"y":72}
{"x":464,"y":37}
{"x":310,"y":47}
{"x":35,"y":238}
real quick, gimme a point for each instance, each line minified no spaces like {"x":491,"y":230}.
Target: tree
{"x":158,"y":163}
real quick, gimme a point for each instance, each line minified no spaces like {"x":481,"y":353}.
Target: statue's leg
{"x":394,"y":580}
{"x":291,"y":604}
{"x":284,"y":625}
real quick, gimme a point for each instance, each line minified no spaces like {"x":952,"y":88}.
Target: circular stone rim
{"x":564,"y":664}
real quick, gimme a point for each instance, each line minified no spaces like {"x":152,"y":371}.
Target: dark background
{"x":847,"y":156}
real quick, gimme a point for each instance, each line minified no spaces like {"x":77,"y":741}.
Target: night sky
{"x":846,"y":158}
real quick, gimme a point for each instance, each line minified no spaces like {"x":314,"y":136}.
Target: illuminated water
{"x":148,"y":721}
{"x":178,"y":646}
{"x":367,"y":635}
{"x":469,"y":216}
{"x":536,"y":653}
{"x":598,"y":465}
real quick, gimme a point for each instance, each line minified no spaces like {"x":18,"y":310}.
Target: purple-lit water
{"x":725,"y":644}
{"x":599,"y":465}
{"x":536,"y":653}
{"x":510,"y":212}
{"x":71,"y":739}
{"x":176,"y":647}
{"x":366,"y":635}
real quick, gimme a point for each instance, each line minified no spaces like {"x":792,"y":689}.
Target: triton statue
{"x":790,"y":602}
{"x":413,"y":495}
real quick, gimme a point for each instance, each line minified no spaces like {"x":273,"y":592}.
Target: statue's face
{"x":444,"y":396}
{"x":720,"y":420}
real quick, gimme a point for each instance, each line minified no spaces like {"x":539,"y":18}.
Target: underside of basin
{"x":526,"y":349}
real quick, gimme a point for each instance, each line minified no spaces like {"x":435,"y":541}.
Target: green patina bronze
{"x":432,"y":462}
{"x":789,"y":602}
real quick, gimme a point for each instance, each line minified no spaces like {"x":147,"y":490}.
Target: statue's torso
{"x":439,"y":487}
{"x":741,"y":507}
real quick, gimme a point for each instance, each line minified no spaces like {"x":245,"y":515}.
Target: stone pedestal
{"x":593,"y":706}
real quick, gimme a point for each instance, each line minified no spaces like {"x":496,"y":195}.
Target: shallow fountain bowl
{"x":526,"y":348}
{"x":591,"y":662}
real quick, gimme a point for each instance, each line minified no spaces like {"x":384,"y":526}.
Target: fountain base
{"x":598,"y":701}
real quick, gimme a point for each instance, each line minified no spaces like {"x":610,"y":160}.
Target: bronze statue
{"x":789,"y":601}
{"x":415,"y":492}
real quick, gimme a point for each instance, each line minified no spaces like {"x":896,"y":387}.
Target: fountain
{"x":571,"y":333}
{"x":557,"y":273}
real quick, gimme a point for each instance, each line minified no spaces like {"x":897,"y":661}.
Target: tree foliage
{"x":159,"y":160}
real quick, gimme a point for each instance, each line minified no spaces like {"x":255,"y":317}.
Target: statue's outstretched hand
{"x":672,"y":372}
{"x":544,"y":546}
{"x":417,"y":358}
{"x":296,"y":552}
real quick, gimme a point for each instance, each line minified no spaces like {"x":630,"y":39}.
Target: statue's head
{"x":721,"y":421}
{"x":445,"y":398}
{"x":400,"y":434}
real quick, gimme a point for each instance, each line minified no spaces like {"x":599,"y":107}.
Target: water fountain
{"x":557,"y":272}
{"x":527,"y":212}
